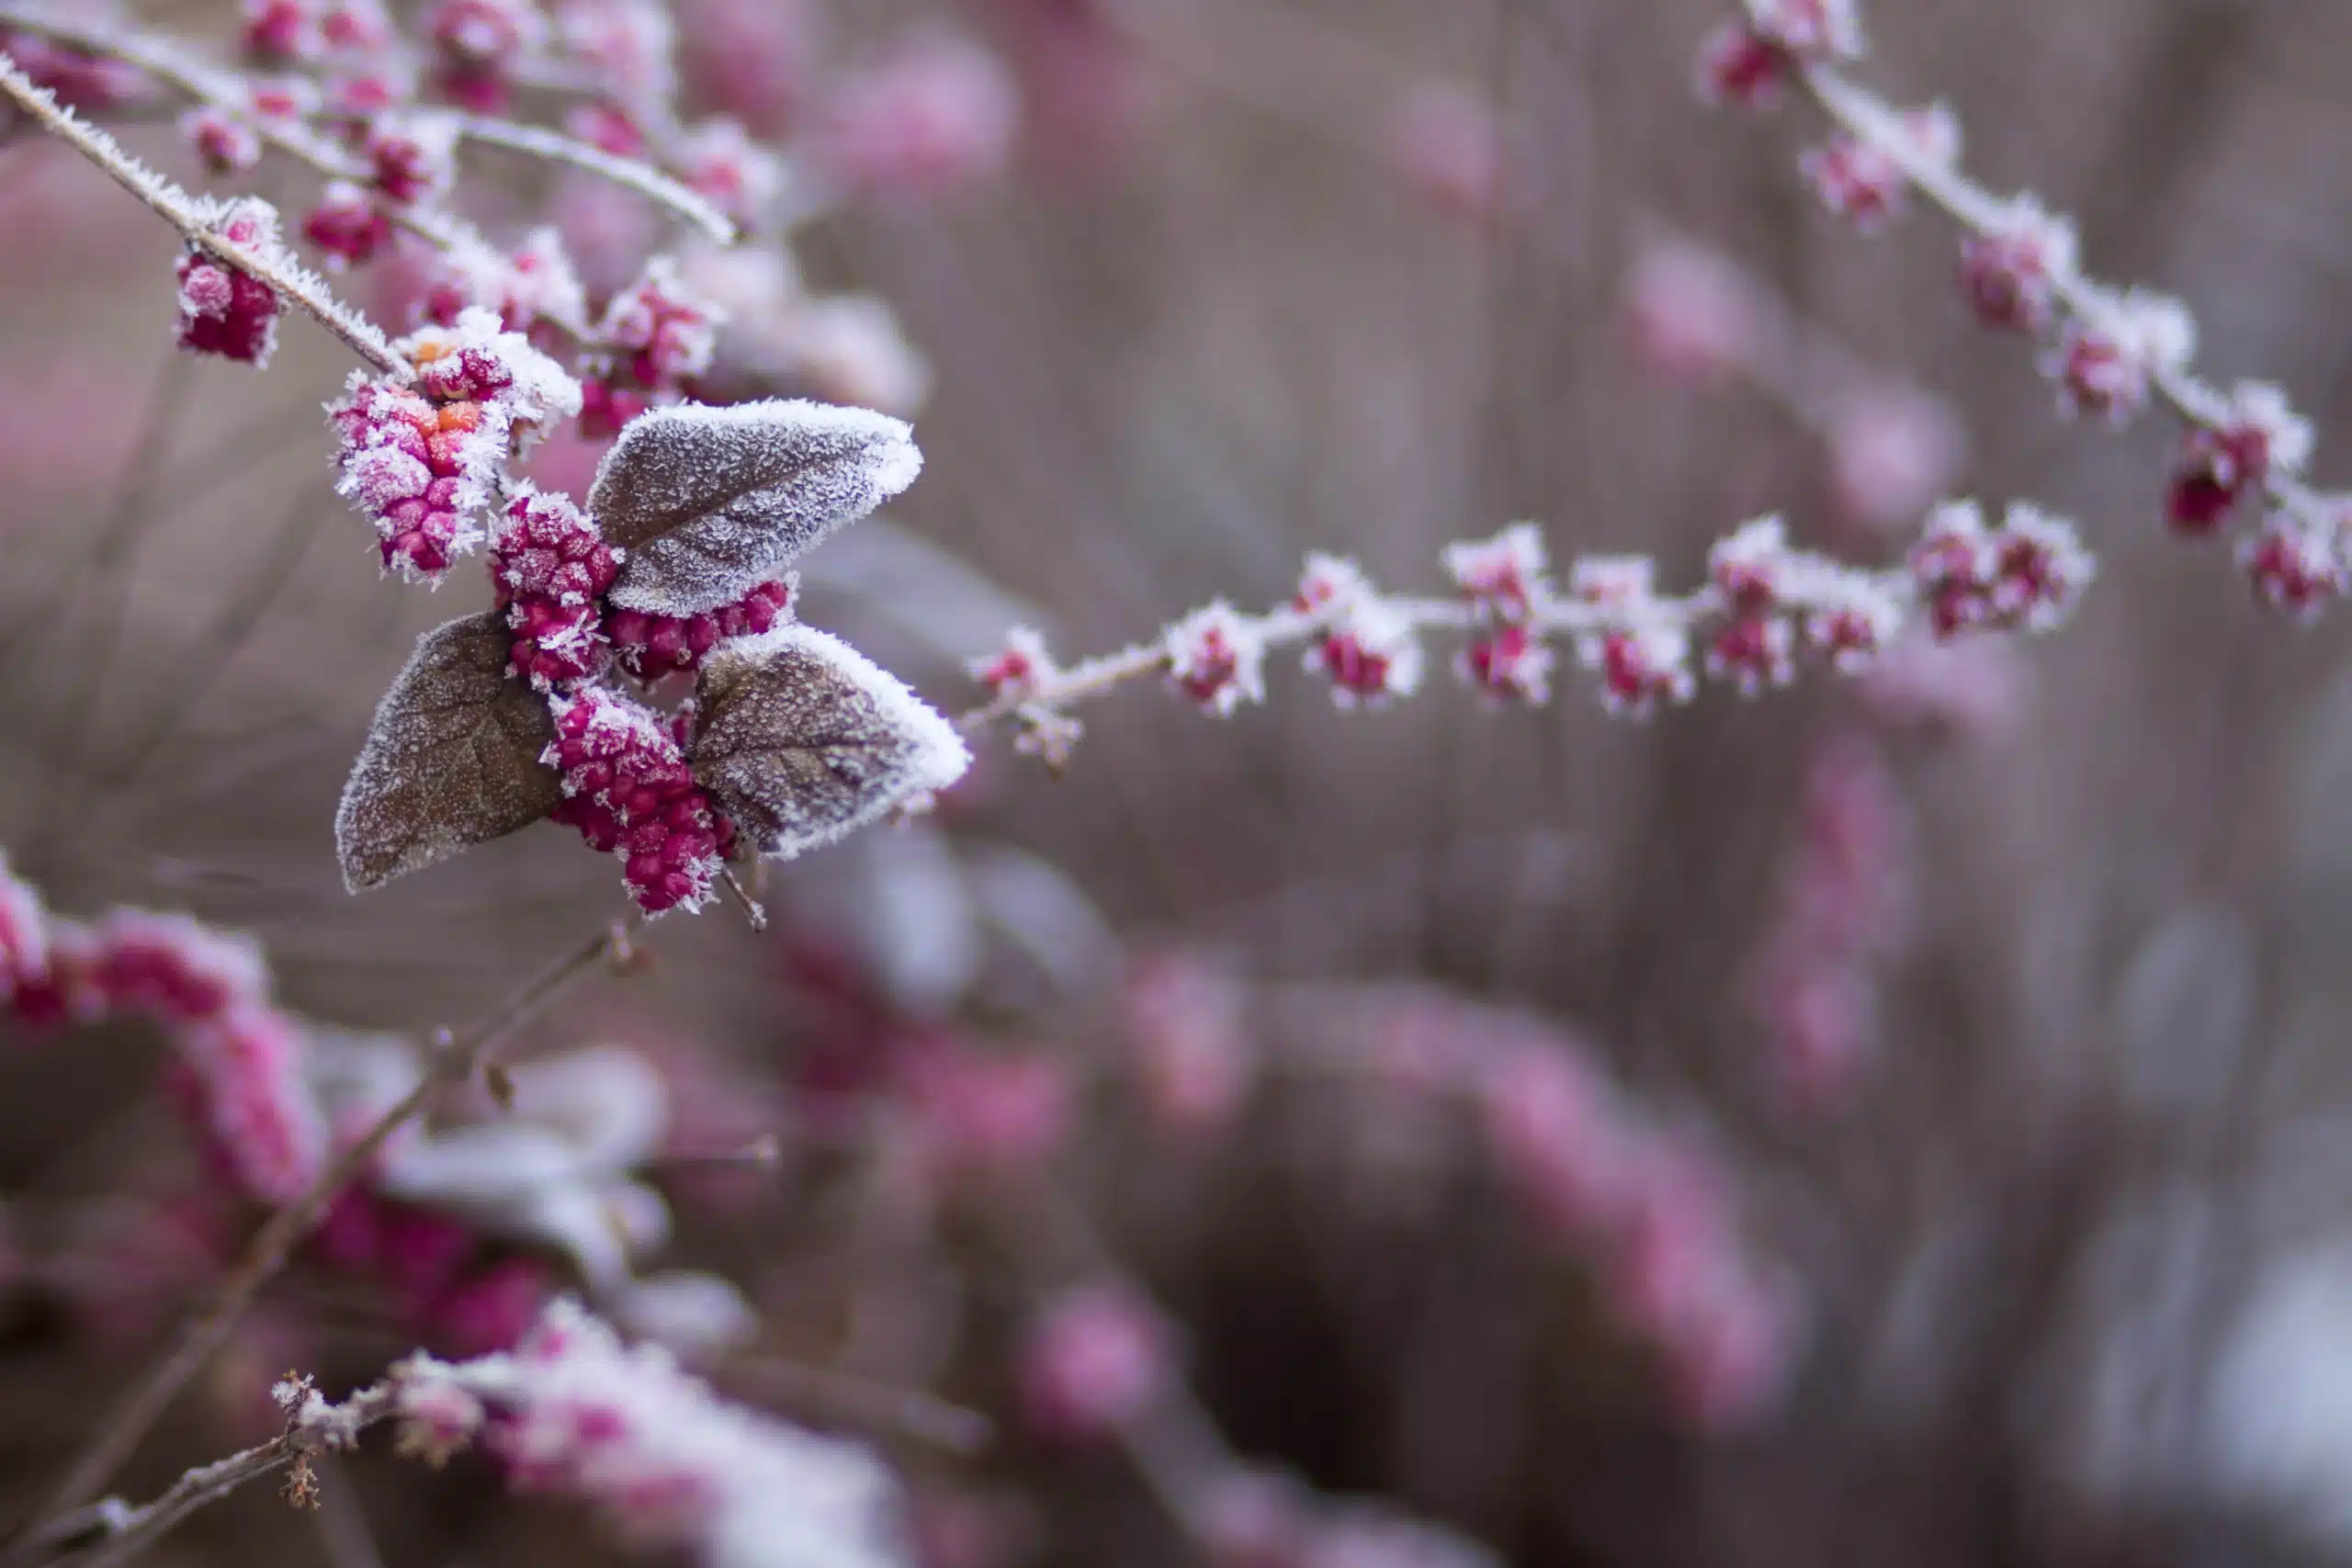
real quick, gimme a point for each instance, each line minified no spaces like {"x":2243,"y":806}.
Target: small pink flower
{"x":1865,"y":181}
{"x":2295,"y":566}
{"x":2232,"y":451}
{"x":2107,"y":359}
{"x":346,"y":226}
{"x":2012,"y":273}
{"x":1511,"y":664}
{"x":1095,"y":1361}
{"x":415,"y":156}
{"x":227,"y":145}
{"x":1640,"y":665}
{"x":1018,"y":669}
{"x":1216,"y":659}
{"x":223,"y":310}
{"x":1852,"y":617}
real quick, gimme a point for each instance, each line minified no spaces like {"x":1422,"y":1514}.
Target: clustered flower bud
{"x":551,"y":567}
{"x":224,"y":309}
{"x":1018,"y":670}
{"x":629,"y":793}
{"x":1865,"y":181}
{"x":1502,"y":579}
{"x":649,"y":645}
{"x":1745,"y":62}
{"x":2108,"y":355}
{"x":226,"y":143}
{"x":720,"y":162}
{"x":346,"y":226}
{"x":478,"y":43}
{"x":1217,"y":658}
{"x":239,"y":1067}
{"x":2012,"y":271}
{"x":413,"y":156}
{"x":2296,"y":565}
{"x":422,"y":462}
{"x":2028,"y":572}
{"x":535,"y":283}
{"x":657,"y":335}
{"x":1366,"y":645}
{"x":2234,"y":451}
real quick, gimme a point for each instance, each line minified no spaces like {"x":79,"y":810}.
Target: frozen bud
{"x":536,"y":284}
{"x":938,"y":114}
{"x":1753,"y":651}
{"x":356,"y":26}
{"x":1502,"y":578}
{"x":346,"y":226}
{"x":415,"y":156}
{"x":2108,"y":355}
{"x":1331,"y":582}
{"x":283,"y":30}
{"x":2293,"y":566}
{"x":418,"y":471}
{"x":1745,"y":62}
{"x":2232,"y":450}
{"x":662,"y":331}
{"x":478,"y":43}
{"x":1018,"y":670}
{"x":1953,"y":565}
{"x":479,"y":361}
{"x":244,"y":1079}
{"x":2012,"y":271}
{"x":1695,"y":316}
{"x":1754,"y":568}
{"x":1370,"y":653}
{"x":625,"y":47}
{"x":1095,"y":1360}
{"x":724,"y":166}
{"x":1217,"y":658}
{"x":1447,"y":145}
{"x":650,"y":646}
{"x":227,"y":145}
{"x":1852,"y":617}
{"x":1640,"y":664}
{"x":2040,"y":569}
{"x":551,"y":566}
{"x":1511,"y":664}
{"x":1864,"y":181}
{"x":223,"y":310}
{"x":628,"y":791}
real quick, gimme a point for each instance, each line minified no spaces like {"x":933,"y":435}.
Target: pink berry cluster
{"x":421,"y":461}
{"x":1840,"y":915}
{"x":238,"y":1061}
{"x":2111,"y":352}
{"x":571,"y":1410}
{"x":628,"y":791}
{"x":224,"y":309}
{"x":1763,"y":603}
{"x":450,"y":1289}
{"x":1650,"y":1212}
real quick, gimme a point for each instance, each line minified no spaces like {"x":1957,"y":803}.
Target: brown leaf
{"x":452,"y":760}
{"x":802,"y":738}
{"x":710,"y":502}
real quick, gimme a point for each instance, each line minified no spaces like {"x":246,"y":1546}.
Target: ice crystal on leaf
{"x":711,"y":503}
{"x":802,"y":738}
{"x":451,"y":760}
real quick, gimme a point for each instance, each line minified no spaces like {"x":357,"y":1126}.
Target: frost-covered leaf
{"x":802,"y":738}
{"x":710,"y":502}
{"x":452,"y":760}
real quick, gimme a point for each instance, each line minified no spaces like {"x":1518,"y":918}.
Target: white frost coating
{"x":710,"y":502}
{"x":668,"y":1460}
{"x":804,"y":739}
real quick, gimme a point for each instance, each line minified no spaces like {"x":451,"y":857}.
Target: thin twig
{"x":176,"y":208}
{"x":137,"y":1410}
{"x":633,"y":174}
{"x":1870,"y":119}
